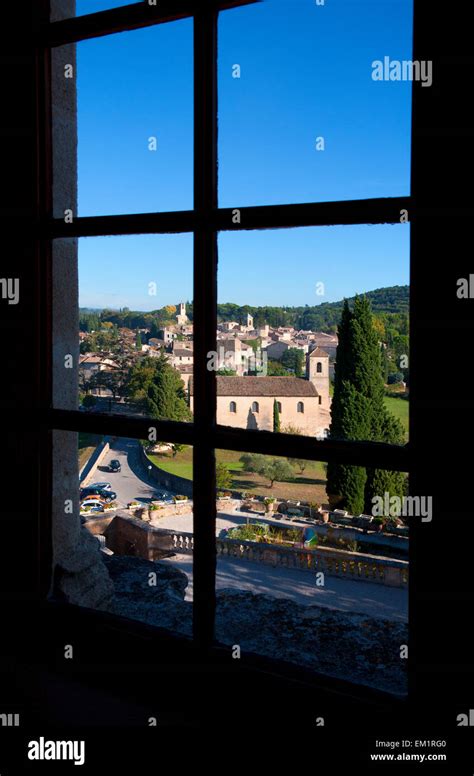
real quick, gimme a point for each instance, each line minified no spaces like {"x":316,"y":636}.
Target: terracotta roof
{"x":319,"y":353}
{"x":263,"y":386}
{"x":182,"y":352}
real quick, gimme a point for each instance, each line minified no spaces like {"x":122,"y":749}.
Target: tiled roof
{"x":263,"y":386}
{"x":319,"y":353}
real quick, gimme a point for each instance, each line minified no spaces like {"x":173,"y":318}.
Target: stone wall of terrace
{"x":131,"y":536}
{"x":336,"y":563}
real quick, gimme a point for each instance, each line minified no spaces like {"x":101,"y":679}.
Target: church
{"x":303,"y":403}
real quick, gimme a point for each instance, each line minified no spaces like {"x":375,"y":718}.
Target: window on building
{"x":279,"y":406}
{"x":204,"y":221}
{"x":319,"y":367}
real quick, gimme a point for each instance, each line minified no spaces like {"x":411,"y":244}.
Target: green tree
{"x":223,"y":477}
{"x":275,"y":369}
{"x":158,"y":389}
{"x":138,"y":341}
{"x":277,"y":469}
{"x":358,"y":411}
{"x":300,"y":463}
{"x":276,"y":417}
{"x":293,"y":359}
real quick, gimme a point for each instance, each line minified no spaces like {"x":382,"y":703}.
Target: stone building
{"x":181,"y":317}
{"x":247,"y":402}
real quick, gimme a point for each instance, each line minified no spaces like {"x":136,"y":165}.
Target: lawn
{"x":86,"y":446}
{"x":308,"y":485}
{"x":399,"y":408}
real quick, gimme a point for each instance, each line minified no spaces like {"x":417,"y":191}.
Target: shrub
{"x":89,"y":401}
{"x":394,"y":377}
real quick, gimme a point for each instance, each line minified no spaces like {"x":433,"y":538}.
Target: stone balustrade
{"x":183,"y":542}
{"x":333,"y":562}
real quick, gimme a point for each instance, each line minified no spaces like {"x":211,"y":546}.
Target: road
{"x":390,"y":603}
{"x":132,"y":483}
{"x":346,"y":595}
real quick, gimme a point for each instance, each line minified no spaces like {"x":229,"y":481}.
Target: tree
{"x":300,"y":463}
{"x":277,"y":469}
{"x":275,"y":369}
{"x":226,"y":372}
{"x":276,"y":417}
{"x":138,"y":341}
{"x":158,"y":389}
{"x":223,"y":477}
{"x":293,"y":359}
{"x":358,"y":411}
{"x":89,"y":401}
{"x":253,"y":462}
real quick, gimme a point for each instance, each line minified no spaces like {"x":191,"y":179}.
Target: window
{"x":204,"y":222}
{"x":319,"y":367}
{"x":279,"y":406}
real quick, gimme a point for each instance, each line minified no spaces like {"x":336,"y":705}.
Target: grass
{"x":399,"y":408}
{"x":306,"y":486}
{"x":86,"y":446}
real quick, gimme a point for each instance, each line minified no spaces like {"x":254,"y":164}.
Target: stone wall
{"x":348,"y":645}
{"x":177,"y":485}
{"x":90,"y":467}
{"x":78,"y":571}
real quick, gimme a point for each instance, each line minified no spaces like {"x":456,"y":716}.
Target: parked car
{"x":106,"y":495}
{"x":92,"y":505}
{"x":163,"y":498}
{"x":87,"y":499}
{"x":103,"y":485}
{"x":115,"y":465}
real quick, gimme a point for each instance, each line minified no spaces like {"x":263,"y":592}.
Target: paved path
{"x":345,"y":595}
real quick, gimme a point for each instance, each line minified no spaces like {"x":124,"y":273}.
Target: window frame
{"x":204,"y":222}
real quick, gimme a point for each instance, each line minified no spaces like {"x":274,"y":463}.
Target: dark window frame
{"x":204,"y":221}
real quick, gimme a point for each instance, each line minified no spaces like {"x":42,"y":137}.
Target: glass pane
{"x":301,"y":580}
{"x":134,"y":501}
{"x":290,"y":358}
{"x":134,"y":121}
{"x":132,"y":333}
{"x":126,"y":345}
{"x":300,"y":117}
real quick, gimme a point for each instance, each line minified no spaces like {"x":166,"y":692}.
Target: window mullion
{"x":204,"y":322}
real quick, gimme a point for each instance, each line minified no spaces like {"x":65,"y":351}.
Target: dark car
{"x":106,"y":495}
{"x":114,"y":465}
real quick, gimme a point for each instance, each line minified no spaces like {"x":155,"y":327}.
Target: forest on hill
{"x":390,"y":304}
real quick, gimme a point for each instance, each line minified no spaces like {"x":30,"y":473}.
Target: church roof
{"x":263,"y":386}
{"x":319,"y":353}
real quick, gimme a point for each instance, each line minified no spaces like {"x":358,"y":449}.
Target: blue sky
{"x":305,"y":73}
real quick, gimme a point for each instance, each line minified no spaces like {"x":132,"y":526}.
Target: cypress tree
{"x":276,"y":417}
{"x":358,"y":411}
